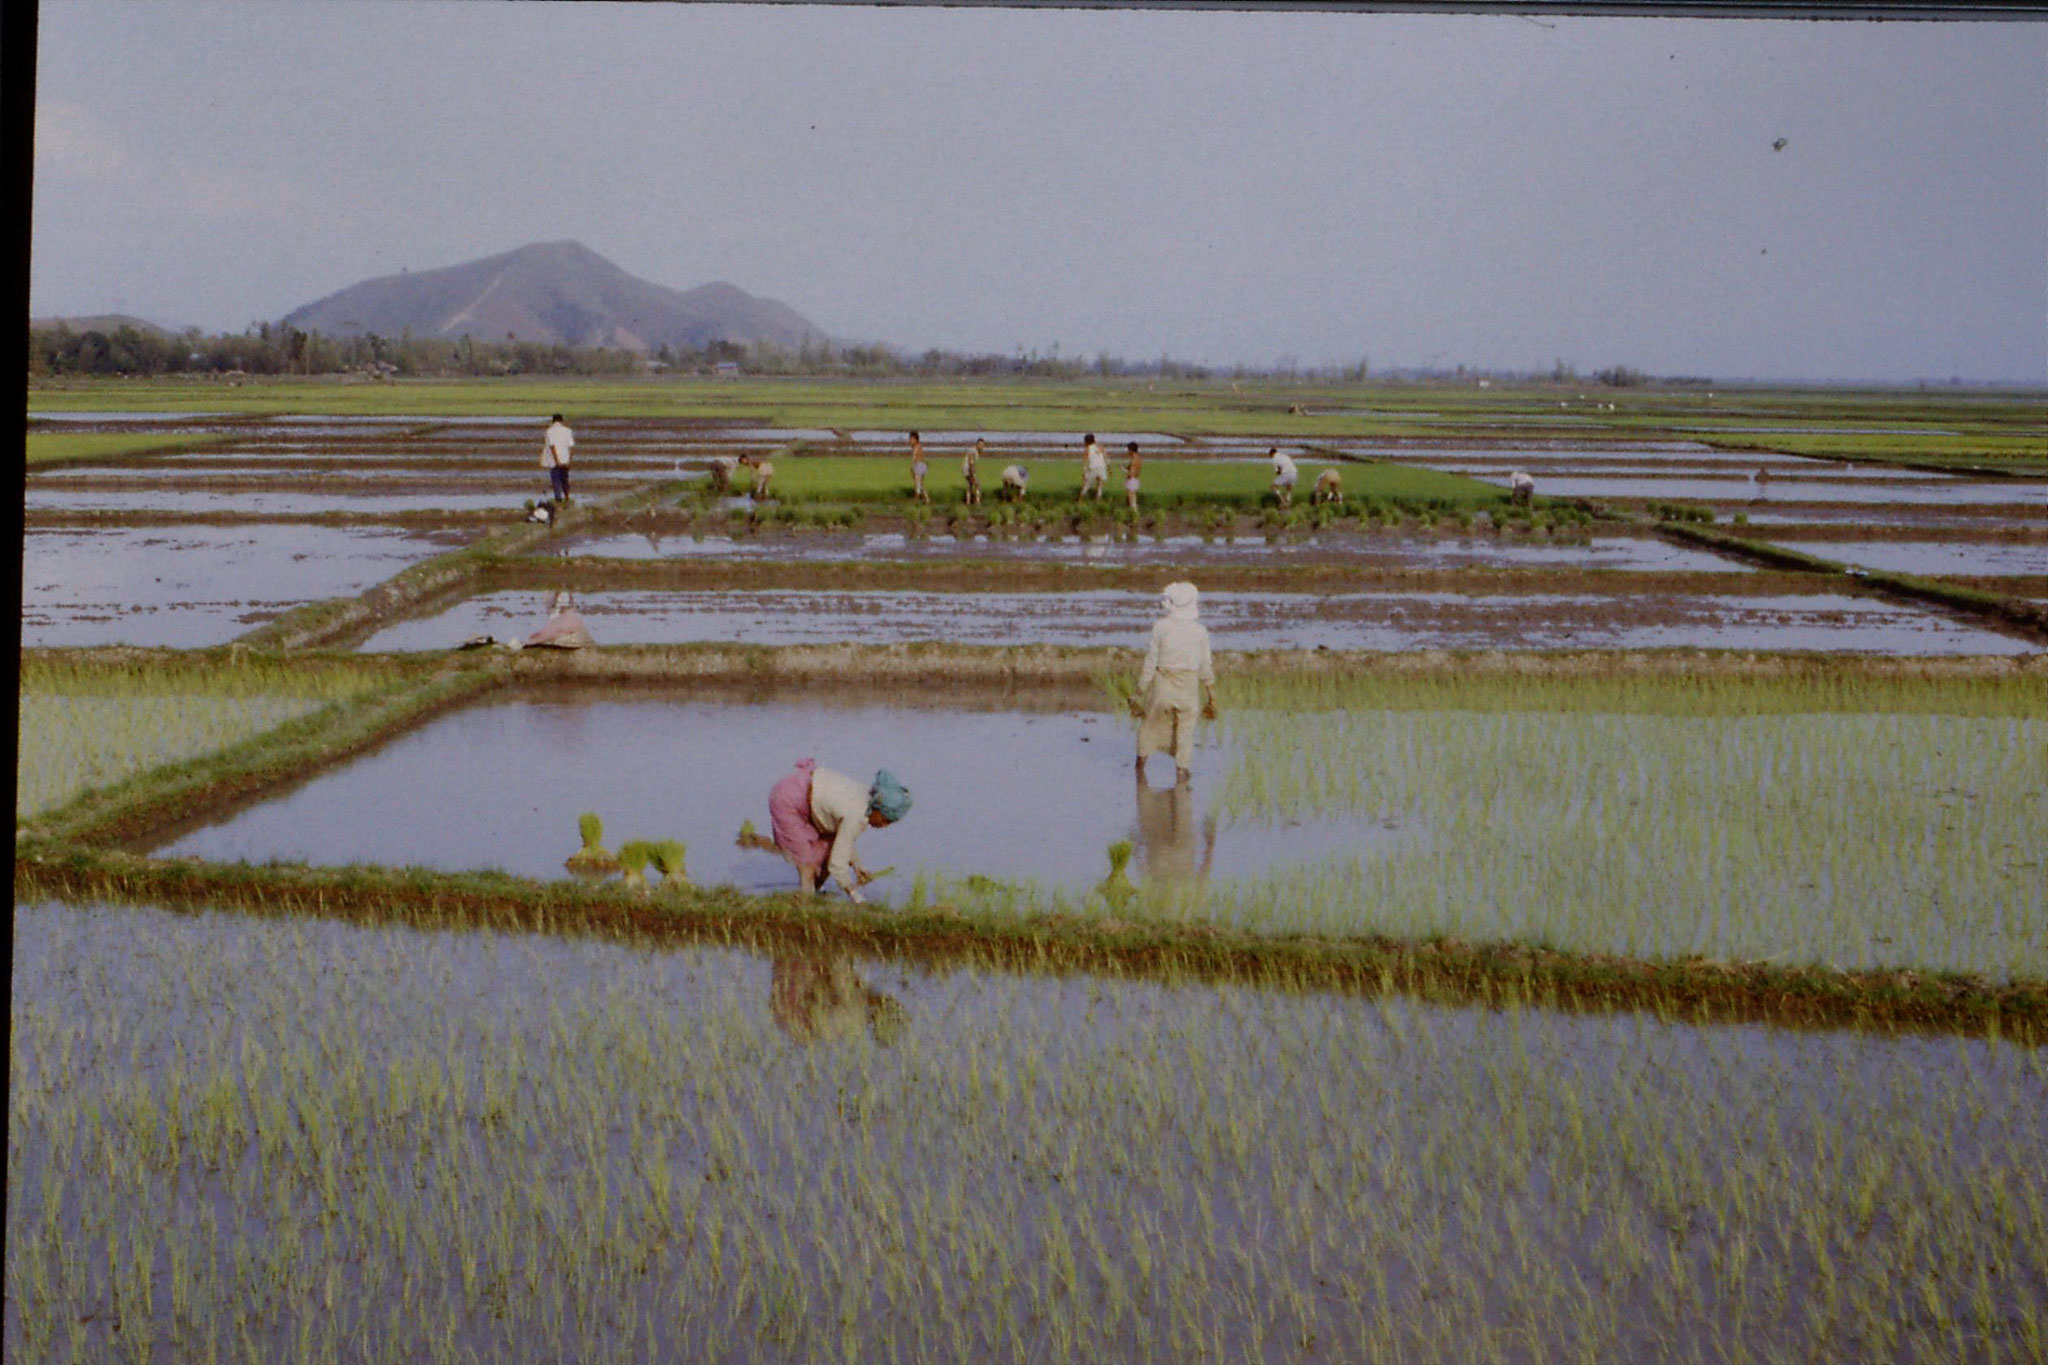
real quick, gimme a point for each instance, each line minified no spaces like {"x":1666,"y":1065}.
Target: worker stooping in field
{"x":565,"y":628}
{"x":1521,"y":488}
{"x":555,"y":444}
{"x":818,"y":816}
{"x":1014,"y":477}
{"x":1329,"y":487}
{"x":764,"y":472}
{"x":1177,"y":684}
{"x":1284,"y":475}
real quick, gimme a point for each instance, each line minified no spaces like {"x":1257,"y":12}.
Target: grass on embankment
{"x":1773,"y":774}
{"x":1166,"y":482}
{"x":49,"y":449}
{"x":96,"y":723}
{"x":172,"y":736}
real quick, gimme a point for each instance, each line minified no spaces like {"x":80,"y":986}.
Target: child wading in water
{"x":918,"y":469}
{"x":1132,"y":461}
{"x":970,"y":466}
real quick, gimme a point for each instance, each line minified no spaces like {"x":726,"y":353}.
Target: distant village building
{"x":726,"y":369}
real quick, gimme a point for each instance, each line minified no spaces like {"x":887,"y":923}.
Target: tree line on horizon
{"x":275,"y":349}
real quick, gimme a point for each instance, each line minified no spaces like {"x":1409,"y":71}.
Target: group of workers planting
{"x":817,"y":814}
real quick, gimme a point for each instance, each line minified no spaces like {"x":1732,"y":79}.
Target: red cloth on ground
{"x":789,"y":814}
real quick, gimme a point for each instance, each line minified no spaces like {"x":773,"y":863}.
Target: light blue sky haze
{"x":1222,"y":187}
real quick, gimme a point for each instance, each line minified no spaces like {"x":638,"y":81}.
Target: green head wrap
{"x":888,"y":798}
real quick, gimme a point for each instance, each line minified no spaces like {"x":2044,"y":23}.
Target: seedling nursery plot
{"x":1595,"y":929}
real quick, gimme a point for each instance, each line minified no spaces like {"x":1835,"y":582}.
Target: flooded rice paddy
{"x":367,"y":502}
{"x":1935,"y":558}
{"x":237,"y":1137}
{"x":500,"y":786}
{"x":1236,"y":620}
{"x":192,"y":586}
{"x":1339,"y":822}
{"x":1641,"y":553}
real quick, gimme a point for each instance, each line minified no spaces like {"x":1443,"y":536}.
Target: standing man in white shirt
{"x":554,"y":456}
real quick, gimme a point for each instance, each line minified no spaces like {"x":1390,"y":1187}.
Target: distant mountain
{"x":103,"y":322}
{"x":553,"y":292}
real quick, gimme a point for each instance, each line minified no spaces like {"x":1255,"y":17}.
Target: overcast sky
{"x":1222,"y":187}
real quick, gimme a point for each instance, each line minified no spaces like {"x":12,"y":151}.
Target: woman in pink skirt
{"x":818,"y":815}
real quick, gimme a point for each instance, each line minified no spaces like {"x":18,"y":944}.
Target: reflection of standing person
{"x":818,"y":815}
{"x":970,"y":468}
{"x":1178,"y":682}
{"x":555,"y":446}
{"x":1094,"y":468}
{"x":918,"y":469}
{"x":812,"y":997}
{"x":1167,"y":833}
{"x":1132,"y":462}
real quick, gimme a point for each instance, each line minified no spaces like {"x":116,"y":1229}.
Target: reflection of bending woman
{"x":811,"y":997}
{"x":1167,"y":833}
{"x":1178,"y":683}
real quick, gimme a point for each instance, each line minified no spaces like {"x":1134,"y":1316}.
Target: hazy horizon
{"x":1735,"y":199}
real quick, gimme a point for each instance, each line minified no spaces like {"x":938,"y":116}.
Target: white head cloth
{"x":1179,"y":601}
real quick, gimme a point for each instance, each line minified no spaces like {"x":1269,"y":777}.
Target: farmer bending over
{"x":764,"y":471}
{"x":819,"y":814}
{"x":1284,"y":475}
{"x":1176,"y":666}
{"x":1521,"y":488}
{"x":1329,"y":487}
{"x":1014,"y":476}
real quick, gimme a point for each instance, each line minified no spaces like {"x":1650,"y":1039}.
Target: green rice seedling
{"x":668,"y":856}
{"x":1117,"y":888}
{"x":749,"y":837}
{"x":634,"y":857}
{"x":592,"y":856}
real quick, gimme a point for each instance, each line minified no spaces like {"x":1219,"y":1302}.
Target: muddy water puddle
{"x":500,"y":785}
{"x":817,"y":1125}
{"x":1642,"y":553}
{"x":193,"y":586}
{"x":1384,"y":621}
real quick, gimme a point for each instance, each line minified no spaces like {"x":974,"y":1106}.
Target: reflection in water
{"x":1167,"y":833}
{"x":814,"y":997}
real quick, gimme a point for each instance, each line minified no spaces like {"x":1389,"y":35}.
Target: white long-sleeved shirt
{"x":1283,"y":468}
{"x":557,"y":444}
{"x":839,"y":807}
{"x":1178,"y":647}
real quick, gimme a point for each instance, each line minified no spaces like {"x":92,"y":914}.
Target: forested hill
{"x":554,"y":293}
